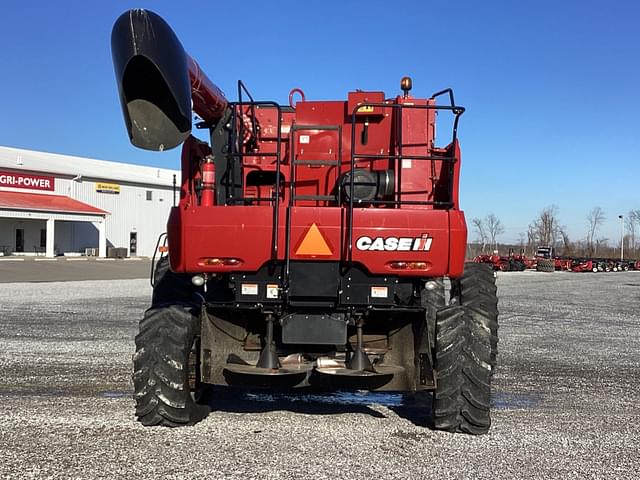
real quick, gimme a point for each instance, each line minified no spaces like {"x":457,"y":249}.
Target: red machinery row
{"x":545,"y":261}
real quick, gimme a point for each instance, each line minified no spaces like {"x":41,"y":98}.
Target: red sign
{"x":26,"y":180}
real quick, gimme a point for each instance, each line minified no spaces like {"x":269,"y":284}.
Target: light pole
{"x":621,"y":238}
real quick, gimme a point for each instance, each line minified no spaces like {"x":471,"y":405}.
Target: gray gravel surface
{"x":565,"y":397}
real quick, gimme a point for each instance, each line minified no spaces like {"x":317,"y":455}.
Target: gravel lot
{"x":566,"y":397}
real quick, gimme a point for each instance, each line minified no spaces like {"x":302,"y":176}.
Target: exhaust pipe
{"x":159,"y":84}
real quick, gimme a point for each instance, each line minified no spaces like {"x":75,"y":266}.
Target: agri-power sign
{"x":26,"y":180}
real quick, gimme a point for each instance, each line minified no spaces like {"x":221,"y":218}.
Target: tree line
{"x":546,"y":230}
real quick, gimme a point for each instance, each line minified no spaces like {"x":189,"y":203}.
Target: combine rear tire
{"x":465,"y":353}
{"x":462,"y":399}
{"x":546,"y":265}
{"x":476,"y":291}
{"x":163,"y":364}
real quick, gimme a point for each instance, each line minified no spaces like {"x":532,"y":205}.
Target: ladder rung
{"x":407,"y":156}
{"x":317,"y":162}
{"x":254,"y":154}
{"x":315,"y":197}
{"x":315,"y":127}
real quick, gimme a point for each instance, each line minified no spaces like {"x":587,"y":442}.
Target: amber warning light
{"x":217,"y":262}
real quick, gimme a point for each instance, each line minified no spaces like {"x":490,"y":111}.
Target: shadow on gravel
{"x":414,"y":408}
{"x":512,"y":401}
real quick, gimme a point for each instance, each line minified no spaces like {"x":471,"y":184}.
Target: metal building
{"x":53,"y":204}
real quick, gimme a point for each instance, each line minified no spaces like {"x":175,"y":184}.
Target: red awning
{"x":47,"y":203}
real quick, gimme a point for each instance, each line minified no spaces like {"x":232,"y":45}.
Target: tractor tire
{"x":546,"y":265}
{"x":476,"y":291}
{"x":461,"y":402}
{"x":169,"y":287}
{"x":164,"y":367}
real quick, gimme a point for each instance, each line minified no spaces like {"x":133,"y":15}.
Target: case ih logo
{"x":21,"y":180}
{"x":392,"y":244}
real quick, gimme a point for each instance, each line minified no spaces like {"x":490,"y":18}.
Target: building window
{"x":43,"y":238}
{"x":149,"y":195}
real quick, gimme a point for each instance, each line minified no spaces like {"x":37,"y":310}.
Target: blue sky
{"x":551,"y":87}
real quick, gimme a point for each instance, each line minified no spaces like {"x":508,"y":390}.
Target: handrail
{"x":455,"y":109}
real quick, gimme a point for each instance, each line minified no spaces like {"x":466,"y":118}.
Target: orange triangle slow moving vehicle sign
{"x":313,"y":243}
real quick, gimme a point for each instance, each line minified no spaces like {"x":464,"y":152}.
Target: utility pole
{"x":621,"y":238}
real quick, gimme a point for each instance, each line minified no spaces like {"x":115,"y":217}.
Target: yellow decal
{"x":107,"y":188}
{"x":366,"y":109}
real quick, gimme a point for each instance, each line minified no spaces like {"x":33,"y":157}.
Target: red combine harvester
{"x":309,"y":246}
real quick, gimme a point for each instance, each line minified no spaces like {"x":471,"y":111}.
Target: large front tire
{"x":163,"y":364}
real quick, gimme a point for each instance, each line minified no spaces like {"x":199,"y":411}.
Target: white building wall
{"x":75,"y":177}
{"x":130,"y":211}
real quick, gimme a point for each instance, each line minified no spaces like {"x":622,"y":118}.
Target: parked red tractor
{"x":512,"y":263}
{"x":309,"y":244}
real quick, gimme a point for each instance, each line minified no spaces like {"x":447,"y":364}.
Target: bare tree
{"x":478,"y":224}
{"x":632,"y":223}
{"x":546,"y":228}
{"x":494,"y":228}
{"x":601,"y":244}
{"x":531,"y":237}
{"x":566,"y":242}
{"x":595,"y":219}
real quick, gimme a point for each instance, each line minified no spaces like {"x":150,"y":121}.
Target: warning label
{"x":313,"y":243}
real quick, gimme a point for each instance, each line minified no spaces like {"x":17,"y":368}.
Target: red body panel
{"x":316,"y":149}
{"x":245,"y":233}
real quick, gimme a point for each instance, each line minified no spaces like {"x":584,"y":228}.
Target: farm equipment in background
{"x":563,"y":263}
{"x":621,"y":266}
{"x":309,"y":245}
{"x":604,"y":265}
{"x":521,"y":261}
{"x":583,"y":265}
{"x":495,"y":261}
{"x":544,"y":259}
{"x":511,"y":263}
